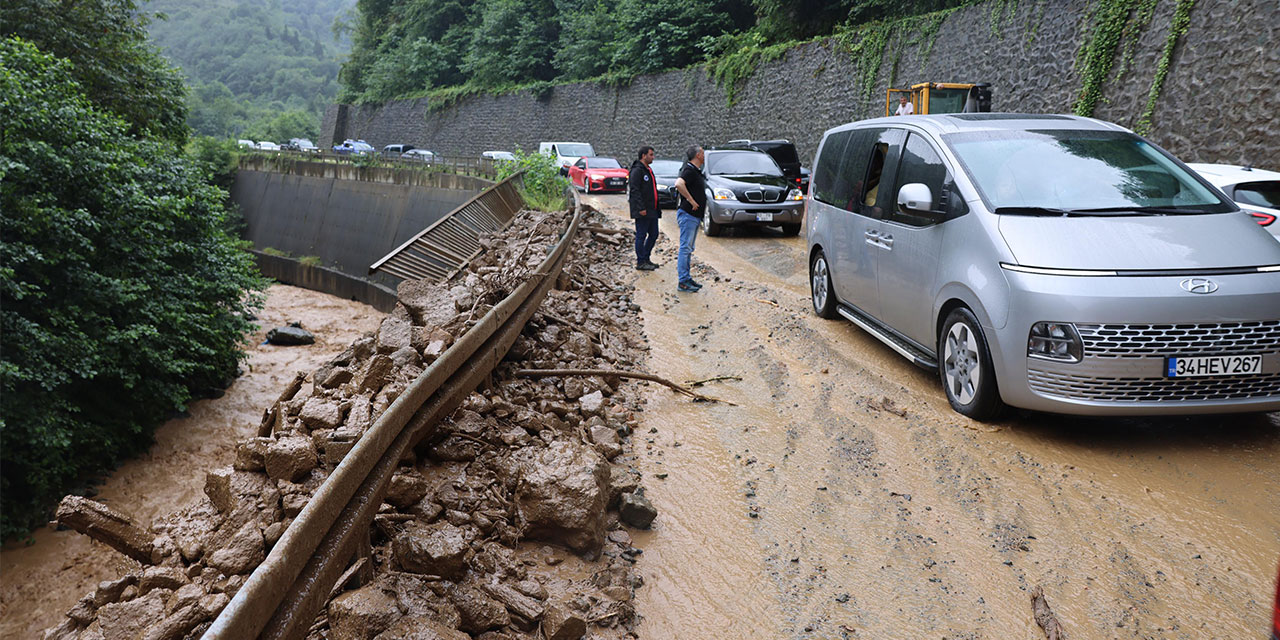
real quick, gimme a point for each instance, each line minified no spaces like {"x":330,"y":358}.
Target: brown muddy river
{"x":842,"y":498}
{"x":41,"y":581}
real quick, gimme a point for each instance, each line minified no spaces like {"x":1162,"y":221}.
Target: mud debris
{"x":523,"y":459}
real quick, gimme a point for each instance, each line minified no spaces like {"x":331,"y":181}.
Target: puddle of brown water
{"x":875,"y":525}
{"x":42,"y":581}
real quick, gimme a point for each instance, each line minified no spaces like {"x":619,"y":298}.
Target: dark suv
{"x":783,"y":152}
{"x":747,"y":187}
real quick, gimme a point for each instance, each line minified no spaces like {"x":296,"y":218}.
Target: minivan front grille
{"x":1144,"y":340}
{"x":1153,"y":390}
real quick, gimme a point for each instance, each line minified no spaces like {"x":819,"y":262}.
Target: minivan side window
{"x":826,"y":174}
{"x":881,"y":151}
{"x":853,"y":169}
{"x":921,"y":164}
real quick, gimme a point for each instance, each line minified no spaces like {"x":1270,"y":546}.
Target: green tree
{"x":121,"y":293}
{"x":664,"y":34}
{"x":106,"y":42}
{"x":514,"y":43}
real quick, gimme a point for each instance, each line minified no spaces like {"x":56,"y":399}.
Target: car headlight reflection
{"x":723,"y":194}
{"x":1055,"y":341}
{"x":795,"y":194}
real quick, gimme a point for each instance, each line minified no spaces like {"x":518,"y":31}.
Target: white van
{"x":566,"y":153}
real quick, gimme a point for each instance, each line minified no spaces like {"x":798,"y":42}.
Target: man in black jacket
{"x":642,"y":193}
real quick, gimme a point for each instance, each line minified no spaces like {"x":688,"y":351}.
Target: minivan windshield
{"x":1079,"y":172}
{"x":742,"y":163}
{"x":575,"y":150}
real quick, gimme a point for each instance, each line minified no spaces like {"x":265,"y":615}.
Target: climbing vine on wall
{"x":866,"y":45}
{"x":1117,"y":24}
{"x":1178,"y":27}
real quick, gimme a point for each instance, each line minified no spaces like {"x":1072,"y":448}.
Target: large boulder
{"x":436,"y":549}
{"x":429,"y":304}
{"x":562,"y":496}
{"x":232,"y":491}
{"x":291,"y":458}
{"x":243,"y":552}
{"x":362,"y":614}
{"x":479,"y":612}
{"x":289,"y":336}
{"x":394,"y":334}
{"x":127,"y":620}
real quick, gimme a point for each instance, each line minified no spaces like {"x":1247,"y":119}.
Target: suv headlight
{"x":1055,"y":341}
{"x":795,"y":194}
{"x":724,"y":194}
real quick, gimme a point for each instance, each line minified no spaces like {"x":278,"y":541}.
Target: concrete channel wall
{"x":1217,"y":103}
{"x":346,"y":216}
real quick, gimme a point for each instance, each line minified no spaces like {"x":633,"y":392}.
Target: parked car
{"x":266,"y":145}
{"x":396,"y":150}
{"x":1047,"y":262}
{"x":505,"y":156}
{"x":665,"y":173}
{"x":598,"y":174}
{"x":1256,"y":191}
{"x":748,"y":188}
{"x":418,"y":155}
{"x":300,"y":144}
{"x":245,"y":144}
{"x":353,"y":147}
{"x":783,"y":152}
{"x":566,"y":153}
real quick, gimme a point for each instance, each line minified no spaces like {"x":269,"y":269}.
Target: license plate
{"x":764,"y":217}
{"x":1212,"y":366}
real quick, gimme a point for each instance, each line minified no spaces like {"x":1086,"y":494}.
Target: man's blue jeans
{"x":688,"y":234}
{"x":646,"y":236}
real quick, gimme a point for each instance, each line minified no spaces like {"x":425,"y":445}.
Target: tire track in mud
{"x":877,"y":512}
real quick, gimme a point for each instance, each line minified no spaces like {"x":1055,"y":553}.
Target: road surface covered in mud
{"x":842,"y":497}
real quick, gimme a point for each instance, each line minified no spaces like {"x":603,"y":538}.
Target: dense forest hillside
{"x":262,"y":70}
{"x":412,"y":47}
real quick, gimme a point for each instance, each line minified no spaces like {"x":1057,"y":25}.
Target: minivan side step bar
{"x":915,"y":354}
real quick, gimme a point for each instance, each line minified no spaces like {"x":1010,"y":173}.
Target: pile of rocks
{"x":454,"y":552}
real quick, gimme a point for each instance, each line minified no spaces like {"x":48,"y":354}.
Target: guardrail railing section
{"x":438,"y":251}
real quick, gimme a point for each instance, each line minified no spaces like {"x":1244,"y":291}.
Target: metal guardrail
{"x":438,"y":251}
{"x":282,"y":597}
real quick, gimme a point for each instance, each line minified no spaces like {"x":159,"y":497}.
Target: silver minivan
{"x":1047,"y":262}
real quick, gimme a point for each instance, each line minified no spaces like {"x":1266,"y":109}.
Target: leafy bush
{"x":121,"y":294}
{"x":544,"y":187}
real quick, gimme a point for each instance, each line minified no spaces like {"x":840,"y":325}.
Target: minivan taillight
{"x":1264,"y":219}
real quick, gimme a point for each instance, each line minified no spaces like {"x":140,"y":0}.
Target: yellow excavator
{"x":942,"y":97}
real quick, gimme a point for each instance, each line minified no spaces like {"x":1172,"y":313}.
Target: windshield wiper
{"x":1148,"y":210}
{"x":1033,"y":211}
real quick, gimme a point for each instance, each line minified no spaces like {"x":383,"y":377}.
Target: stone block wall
{"x":1218,"y":103}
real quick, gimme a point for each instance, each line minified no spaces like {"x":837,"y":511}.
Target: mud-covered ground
{"x":842,"y":498}
{"x":41,"y":581}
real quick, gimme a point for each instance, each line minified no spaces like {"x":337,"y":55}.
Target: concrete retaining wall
{"x":331,"y":281}
{"x":1218,"y":103}
{"x":348,"y":224}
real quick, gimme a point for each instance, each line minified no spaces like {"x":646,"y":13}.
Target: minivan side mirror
{"x":915,"y":198}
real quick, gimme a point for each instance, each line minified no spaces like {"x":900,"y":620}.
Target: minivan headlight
{"x":1055,"y":341}
{"x":724,"y":194}
{"x":795,"y":194}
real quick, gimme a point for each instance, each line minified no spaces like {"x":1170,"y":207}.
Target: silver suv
{"x":1047,"y":262}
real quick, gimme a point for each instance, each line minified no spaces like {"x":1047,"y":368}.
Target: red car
{"x":598,"y":174}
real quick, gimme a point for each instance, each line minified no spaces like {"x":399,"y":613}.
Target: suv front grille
{"x":1144,"y":340}
{"x":762,"y":195}
{"x":1153,"y":389}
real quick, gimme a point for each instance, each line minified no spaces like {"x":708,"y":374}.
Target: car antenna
{"x":1248,"y":166}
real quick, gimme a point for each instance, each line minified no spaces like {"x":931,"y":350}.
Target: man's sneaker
{"x":646,"y":266}
{"x":687,"y":286}
{"x":652,"y":265}
{"x":696,"y":285}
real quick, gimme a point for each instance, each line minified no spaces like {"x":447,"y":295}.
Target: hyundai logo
{"x":1198,"y":285}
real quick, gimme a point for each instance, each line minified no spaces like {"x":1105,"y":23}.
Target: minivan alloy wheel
{"x":961,"y":363}
{"x":824,"y":303}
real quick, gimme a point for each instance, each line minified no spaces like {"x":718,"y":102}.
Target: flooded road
{"x":842,"y":498}
{"x":41,"y":581}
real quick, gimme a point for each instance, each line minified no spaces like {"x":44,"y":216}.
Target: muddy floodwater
{"x":842,"y":498}
{"x":41,"y":581}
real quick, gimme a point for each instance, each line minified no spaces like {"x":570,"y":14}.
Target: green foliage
{"x":781,"y":20}
{"x":218,"y":158}
{"x":734,"y":58}
{"x":1178,"y":27}
{"x":544,"y":187}
{"x":1116,"y":26}
{"x":121,"y":294}
{"x":284,"y":125}
{"x":106,"y":42}
{"x":248,"y":61}
{"x":310,"y":261}
{"x":514,"y":42}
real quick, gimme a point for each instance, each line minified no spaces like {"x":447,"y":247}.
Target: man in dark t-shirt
{"x":691,"y":206}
